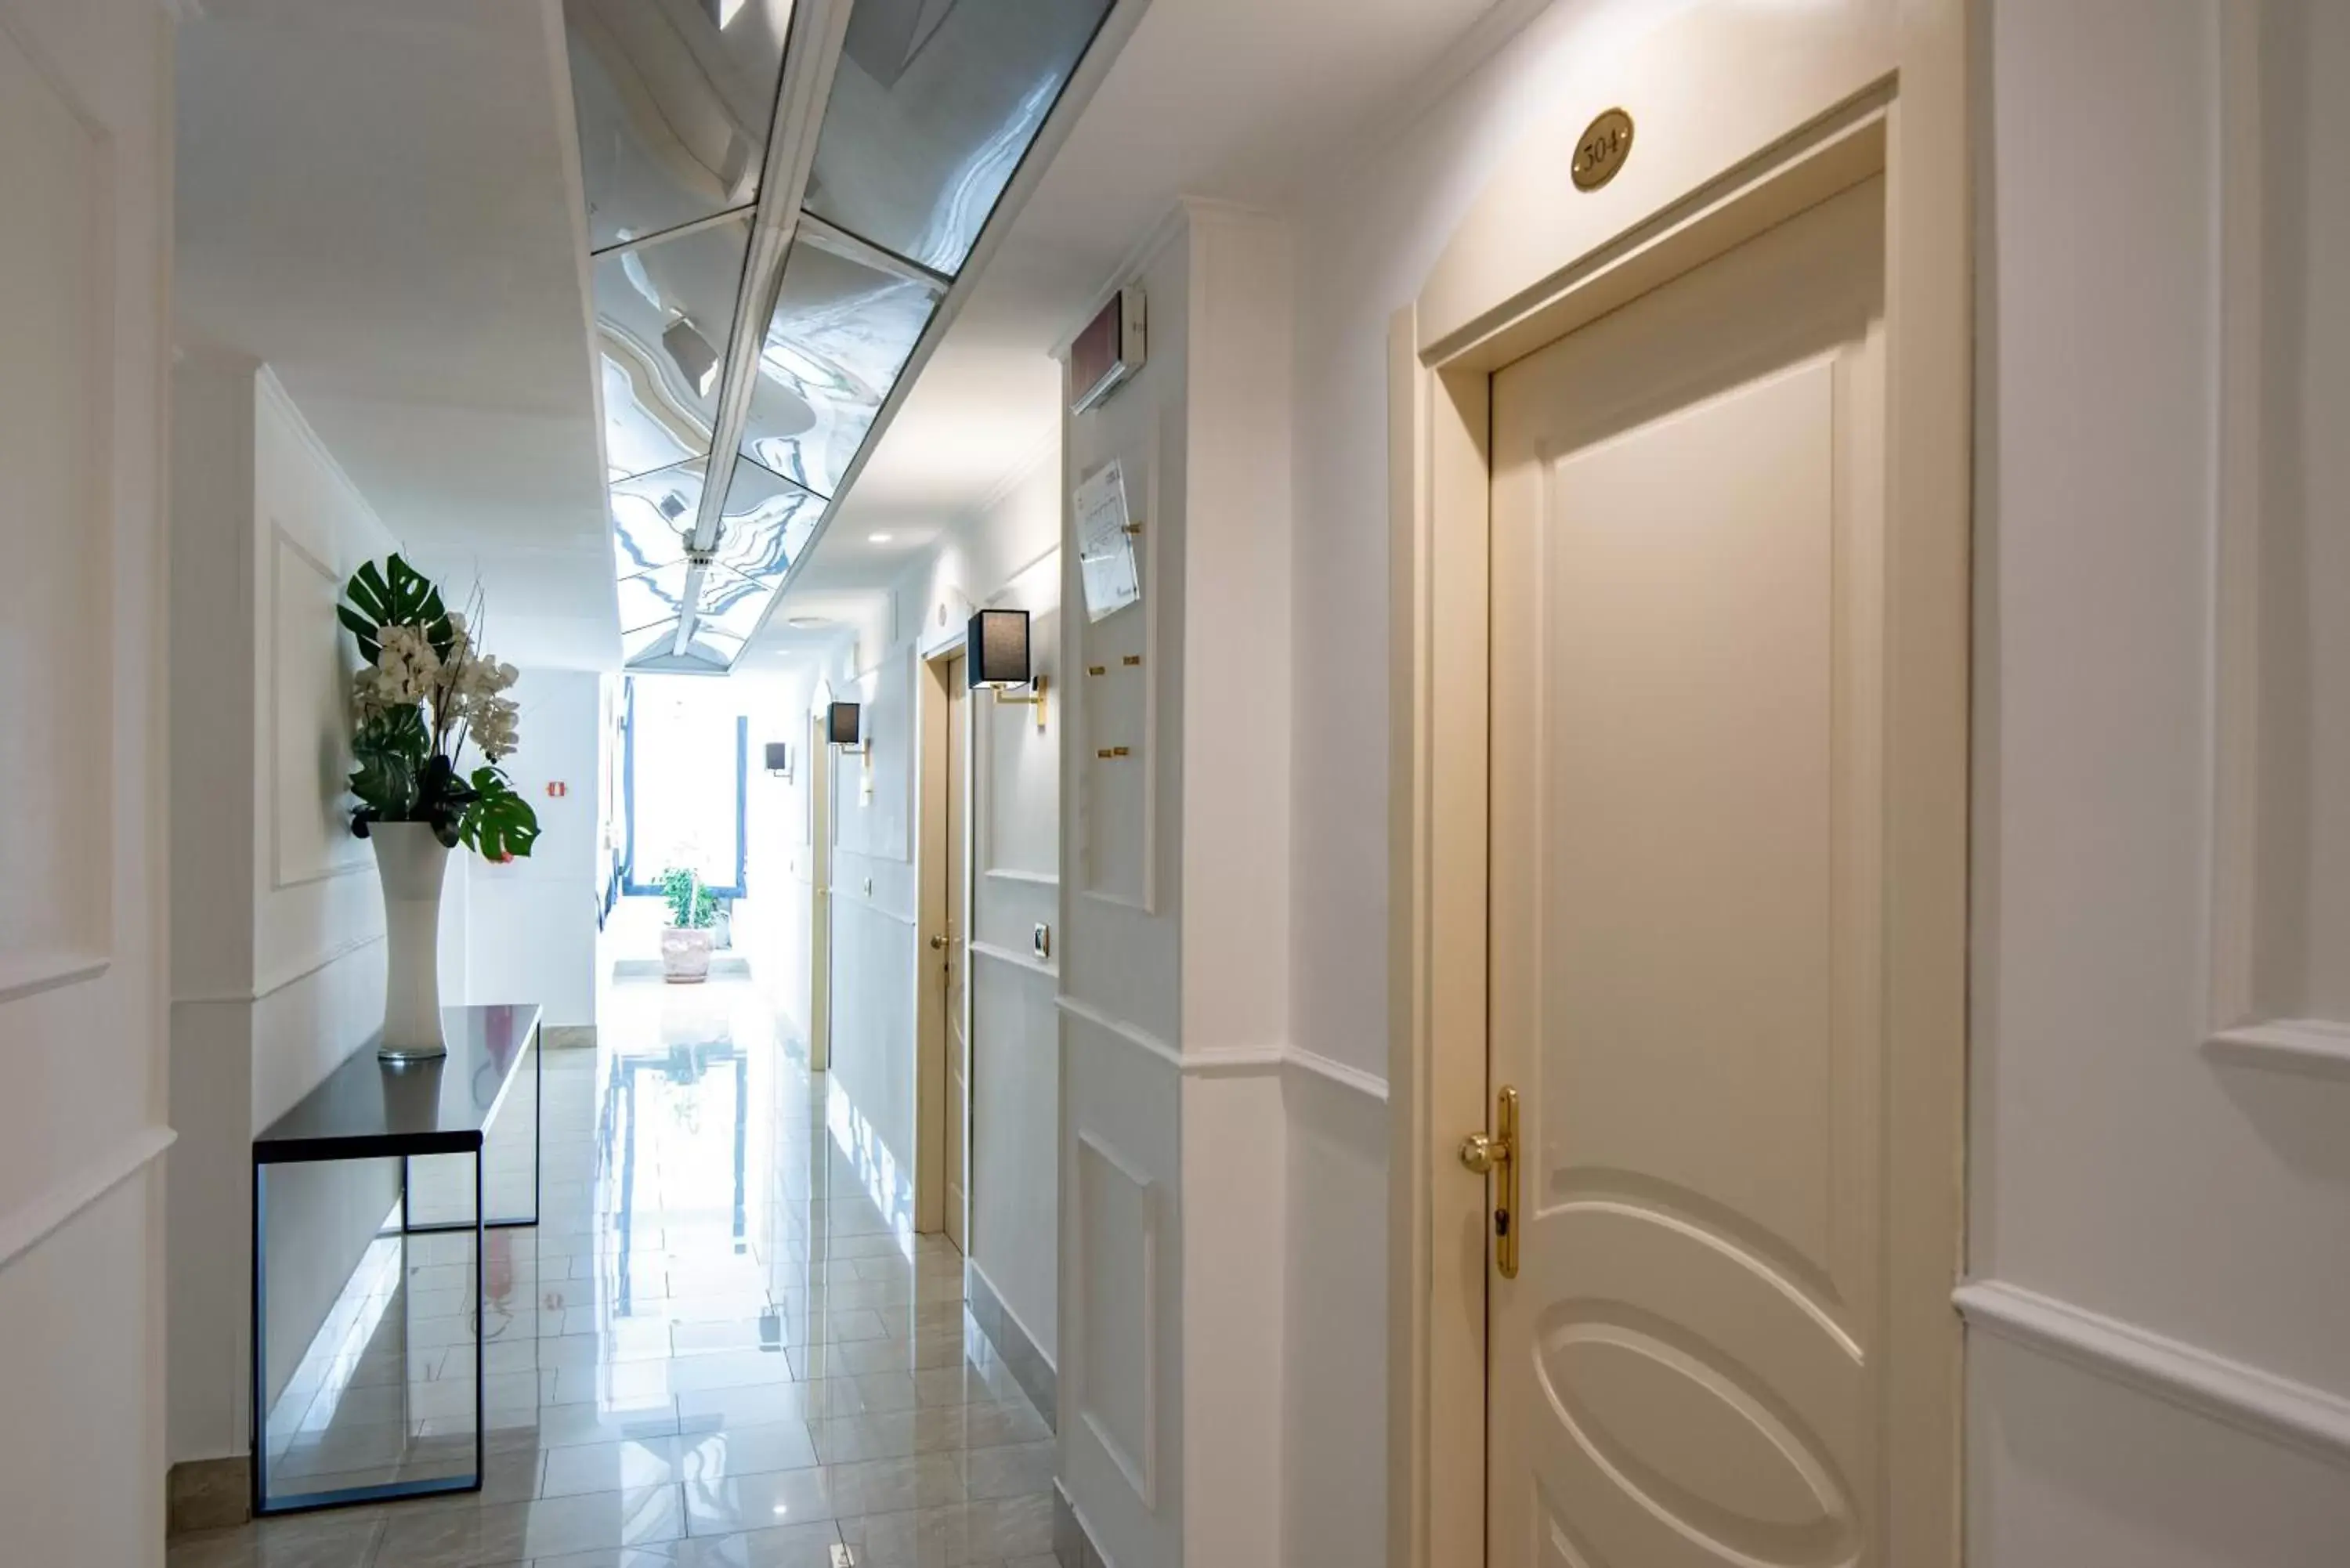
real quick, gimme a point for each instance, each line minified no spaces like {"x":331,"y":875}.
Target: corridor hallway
{"x":722,"y":1345}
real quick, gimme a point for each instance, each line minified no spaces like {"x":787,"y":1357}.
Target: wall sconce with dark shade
{"x":996,"y":656}
{"x":779,"y":759}
{"x":843,"y":726}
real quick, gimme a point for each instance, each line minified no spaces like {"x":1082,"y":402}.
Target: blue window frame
{"x":630,"y":883}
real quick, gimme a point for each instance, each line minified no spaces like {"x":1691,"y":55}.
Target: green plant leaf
{"x":395,"y":594}
{"x":497,"y":824}
{"x":389,"y":752}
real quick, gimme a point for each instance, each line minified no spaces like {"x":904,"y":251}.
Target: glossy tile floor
{"x":722,"y":1345}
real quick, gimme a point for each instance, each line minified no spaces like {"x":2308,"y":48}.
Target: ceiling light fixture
{"x":878,"y":538}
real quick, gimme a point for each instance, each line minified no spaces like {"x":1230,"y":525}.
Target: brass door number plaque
{"x":1602,"y":149}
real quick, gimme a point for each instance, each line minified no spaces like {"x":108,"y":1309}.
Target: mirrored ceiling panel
{"x":651,"y":639}
{"x":674,"y":99}
{"x":767,"y":522}
{"x":652,"y":514}
{"x":650,"y":598}
{"x":726,"y":450}
{"x":663,"y":311}
{"x":932,"y":107}
{"x":730,"y":603}
{"x":702,"y":655}
{"x":841,"y":332}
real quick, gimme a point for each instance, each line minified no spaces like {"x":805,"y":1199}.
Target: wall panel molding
{"x":269,"y":986}
{"x":1141,"y":1469}
{"x":319,"y":682}
{"x":1120,"y":1028}
{"x":2313,"y":1047}
{"x":35,"y":1220}
{"x":1015,"y":959}
{"x":38,"y":969}
{"x":841,"y":897}
{"x":1216,"y":1060}
{"x":2245,"y":1398}
{"x":1333,"y":1071}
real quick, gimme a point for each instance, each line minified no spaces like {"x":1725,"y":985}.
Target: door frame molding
{"x":1867,"y":88}
{"x":821,"y":762}
{"x":934,"y":706}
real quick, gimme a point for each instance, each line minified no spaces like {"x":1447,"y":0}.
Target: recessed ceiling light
{"x":878,"y":538}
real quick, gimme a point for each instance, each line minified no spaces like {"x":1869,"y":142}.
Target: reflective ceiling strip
{"x":859,"y":249}
{"x":623,"y":247}
{"x":811,"y":54}
{"x":1100,"y":52}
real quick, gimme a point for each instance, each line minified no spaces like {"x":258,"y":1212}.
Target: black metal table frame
{"x":406,"y":1150}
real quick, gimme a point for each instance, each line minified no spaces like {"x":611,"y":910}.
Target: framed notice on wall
{"x":1105,"y":542}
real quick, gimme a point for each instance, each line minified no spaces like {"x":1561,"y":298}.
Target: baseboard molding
{"x":207,"y":1494}
{"x":1073,"y":1538}
{"x":1029,"y":1365}
{"x":2245,"y":1398}
{"x":24,"y":1230}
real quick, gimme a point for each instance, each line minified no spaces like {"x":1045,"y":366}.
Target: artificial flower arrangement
{"x":426,"y":692}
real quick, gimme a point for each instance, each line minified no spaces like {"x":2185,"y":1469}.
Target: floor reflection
{"x":723,"y":1344}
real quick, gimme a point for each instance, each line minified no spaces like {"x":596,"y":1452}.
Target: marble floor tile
{"x":465,"y":1538}
{"x":690,"y":1362}
{"x":320,"y":1540}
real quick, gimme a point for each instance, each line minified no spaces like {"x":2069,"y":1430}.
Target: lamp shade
{"x":841,"y":722}
{"x":995,"y":647}
{"x":779,"y":756}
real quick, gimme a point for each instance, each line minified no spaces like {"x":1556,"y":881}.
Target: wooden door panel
{"x":1686,"y":599}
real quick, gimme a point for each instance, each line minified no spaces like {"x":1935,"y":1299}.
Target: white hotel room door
{"x":1686,"y":787}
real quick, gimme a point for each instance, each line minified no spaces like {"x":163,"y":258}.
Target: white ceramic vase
{"x":412,"y":862}
{"x":685,"y":953}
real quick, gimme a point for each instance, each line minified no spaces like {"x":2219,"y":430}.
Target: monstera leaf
{"x":390,"y":750}
{"x":397,"y":594}
{"x":498,"y":824}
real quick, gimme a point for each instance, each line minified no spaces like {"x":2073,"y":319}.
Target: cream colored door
{"x":821,"y":761}
{"x":1686,"y":783}
{"x":956,"y":969}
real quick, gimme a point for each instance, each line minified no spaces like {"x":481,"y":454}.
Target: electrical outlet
{"x":1043,"y":941}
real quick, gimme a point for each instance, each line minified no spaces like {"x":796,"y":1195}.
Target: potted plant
{"x":687,"y":939}
{"x":425,"y":691}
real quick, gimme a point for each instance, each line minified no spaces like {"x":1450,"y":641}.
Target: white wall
{"x":85,"y":161}
{"x":1005,"y":554}
{"x":1176,"y":958}
{"x":2160,"y":794}
{"x":276,"y":913}
{"x":772,"y":926}
{"x":530,"y":925}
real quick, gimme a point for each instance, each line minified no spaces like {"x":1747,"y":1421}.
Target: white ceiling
{"x":377,"y":197}
{"x":1236,"y":100}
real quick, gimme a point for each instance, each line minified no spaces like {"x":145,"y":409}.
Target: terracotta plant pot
{"x":685,"y":953}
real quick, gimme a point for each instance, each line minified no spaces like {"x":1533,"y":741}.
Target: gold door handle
{"x":1495,"y":1155}
{"x":938,"y":944}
